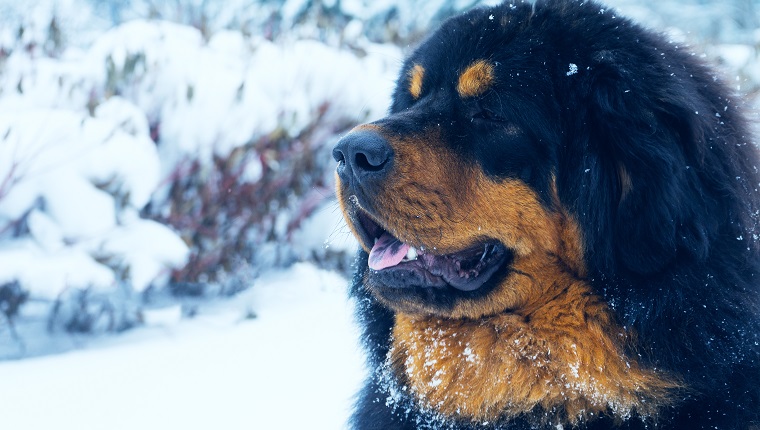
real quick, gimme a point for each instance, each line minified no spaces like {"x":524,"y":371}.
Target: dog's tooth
{"x":411,"y":254}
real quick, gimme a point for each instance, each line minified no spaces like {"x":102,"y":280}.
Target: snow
{"x":742,"y":58}
{"x":326,"y":230}
{"x":148,"y":248}
{"x":295,"y":366}
{"x":214,"y":97}
{"x":47,"y":274}
{"x":79,"y":181}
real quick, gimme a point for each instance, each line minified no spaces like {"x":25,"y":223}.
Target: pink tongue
{"x":387,"y":252}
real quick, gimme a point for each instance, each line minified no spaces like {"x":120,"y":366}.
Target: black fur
{"x":677,"y":258}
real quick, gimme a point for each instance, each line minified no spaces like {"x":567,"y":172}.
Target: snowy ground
{"x":294,"y":366}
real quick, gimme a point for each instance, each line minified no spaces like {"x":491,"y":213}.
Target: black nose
{"x":364,"y":156}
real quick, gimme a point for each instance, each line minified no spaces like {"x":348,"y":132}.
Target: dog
{"x":558,"y":222}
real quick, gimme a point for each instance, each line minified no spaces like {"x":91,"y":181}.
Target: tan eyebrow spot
{"x":476,"y":79}
{"x":415,"y":80}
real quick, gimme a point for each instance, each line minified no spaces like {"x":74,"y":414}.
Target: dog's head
{"x":513,"y":145}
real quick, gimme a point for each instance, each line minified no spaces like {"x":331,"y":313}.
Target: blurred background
{"x":171,"y":252}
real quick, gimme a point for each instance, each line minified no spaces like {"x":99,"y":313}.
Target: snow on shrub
{"x":244,"y":128}
{"x":157,"y":157}
{"x":326,"y":20}
{"x":743,"y":61}
{"x":71,"y":188}
{"x":211,"y":98}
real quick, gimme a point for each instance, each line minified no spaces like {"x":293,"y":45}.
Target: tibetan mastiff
{"x":559,"y":229}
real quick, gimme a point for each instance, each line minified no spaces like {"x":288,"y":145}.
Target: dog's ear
{"x":633,"y":166}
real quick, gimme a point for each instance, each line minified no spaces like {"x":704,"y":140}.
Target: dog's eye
{"x":486,"y":115}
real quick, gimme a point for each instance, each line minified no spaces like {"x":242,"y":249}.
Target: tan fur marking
{"x":432,"y":199}
{"x":564,"y":354}
{"x":436,"y":202}
{"x":415,"y":80}
{"x":559,"y":348}
{"x":476,"y":79}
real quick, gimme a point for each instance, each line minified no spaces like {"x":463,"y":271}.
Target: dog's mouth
{"x":399,"y":265}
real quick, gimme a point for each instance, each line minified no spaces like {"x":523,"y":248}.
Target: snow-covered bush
{"x":743,"y":62}
{"x":324,"y":20}
{"x":71,"y":191}
{"x":157,"y":157}
{"x":41,"y":23}
{"x":244,"y":128}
